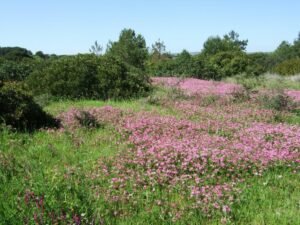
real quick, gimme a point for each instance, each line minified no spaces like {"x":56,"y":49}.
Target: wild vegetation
{"x":104,"y":139}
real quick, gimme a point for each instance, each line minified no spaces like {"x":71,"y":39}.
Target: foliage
{"x":219,"y":58}
{"x":87,"y":120}
{"x":15,"y":53}
{"x":72,"y":77}
{"x":226,"y":64}
{"x":42,"y":55}
{"x":286,"y":51}
{"x":164,"y":66}
{"x":258,"y":63}
{"x":118,"y":81}
{"x":224,"y":57}
{"x":116,"y":175}
{"x":45,"y":99}
{"x":15,"y":70}
{"x":96,"y":49}
{"x":130,"y":49}
{"x":183,"y":63}
{"x":288,"y":67}
{"x":18,"y":109}
{"x":88,"y":76}
{"x":276,"y":100}
{"x":229,"y":42}
{"x":158,"y":50}
{"x":249,"y":83}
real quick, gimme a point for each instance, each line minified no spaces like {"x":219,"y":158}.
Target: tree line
{"x":28,"y":81}
{"x":220,"y":57}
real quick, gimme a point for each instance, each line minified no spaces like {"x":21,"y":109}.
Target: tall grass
{"x":269,"y":81}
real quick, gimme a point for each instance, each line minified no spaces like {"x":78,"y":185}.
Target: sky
{"x":72,"y":26}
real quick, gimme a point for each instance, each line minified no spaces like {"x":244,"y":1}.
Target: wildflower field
{"x":193,"y":152}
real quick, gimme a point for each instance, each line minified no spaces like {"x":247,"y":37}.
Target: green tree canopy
{"x":130,"y":48}
{"x":229,"y":42}
{"x":15,"y":53}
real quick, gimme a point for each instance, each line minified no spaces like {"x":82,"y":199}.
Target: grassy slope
{"x":56,"y":165}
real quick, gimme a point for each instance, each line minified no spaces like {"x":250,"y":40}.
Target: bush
{"x":18,"y":109}
{"x":69,"y":77}
{"x":163,"y":67}
{"x":277,"y":101}
{"x":15,"y":70}
{"x":288,"y":67}
{"x":120,"y":81}
{"x":88,"y":76}
{"x":131,"y":49}
{"x":87,"y":120}
{"x":227,"y":64}
{"x":15,"y":53}
{"x":249,"y":83}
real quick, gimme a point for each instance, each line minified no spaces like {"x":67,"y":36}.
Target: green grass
{"x":39,"y":163}
{"x":294,"y":118}
{"x":135,"y":105}
{"x":273,"y":198}
{"x":59,"y":166}
{"x":267,"y":81}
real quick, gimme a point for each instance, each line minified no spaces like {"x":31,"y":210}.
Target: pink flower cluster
{"x":204,"y":160}
{"x":204,"y":153}
{"x":248,"y":112}
{"x":102,"y":115}
{"x":196,"y":86}
{"x":294,"y":94}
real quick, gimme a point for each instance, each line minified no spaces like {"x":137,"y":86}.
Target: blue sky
{"x":71,"y":26}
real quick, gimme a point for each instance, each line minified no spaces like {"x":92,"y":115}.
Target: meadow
{"x":193,"y":152}
{"x":134,"y":133}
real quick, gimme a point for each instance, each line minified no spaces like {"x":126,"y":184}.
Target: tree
{"x":41,"y":55}
{"x":226,"y":64}
{"x":96,"y":49}
{"x":213,"y":45}
{"x":15,"y":53}
{"x":183,"y":63}
{"x":229,"y":42}
{"x":158,"y":48}
{"x":130,"y":48}
{"x":283,"y":52}
{"x":288,"y":67}
{"x":233,"y":42}
{"x":296,"y":46}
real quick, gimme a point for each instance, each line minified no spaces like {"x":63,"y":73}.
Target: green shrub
{"x":131,"y":49}
{"x":227,"y":64}
{"x":88,"y":76}
{"x":15,"y":53}
{"x":18,"y":109}
{"x":249,"y":83}
{"x":119,"y":81}
{"x":288,"y":67}
{"x":15,"y":70}
{"x":87,"y":120}
{"x":258,"y":63}
{"x":163,"y":67}
{"x":70,"y":77}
